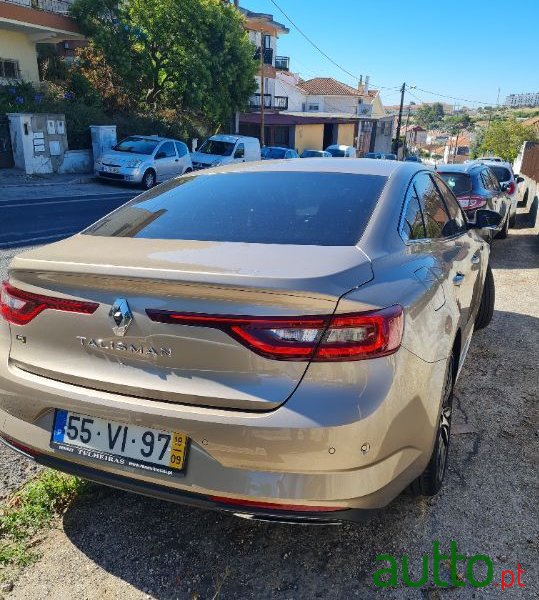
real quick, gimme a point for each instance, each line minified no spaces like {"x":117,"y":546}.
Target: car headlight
{"x":133,"y":164}
{"x":215,"y":163}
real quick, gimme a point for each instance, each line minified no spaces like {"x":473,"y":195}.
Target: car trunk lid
{"x":174,"y":363}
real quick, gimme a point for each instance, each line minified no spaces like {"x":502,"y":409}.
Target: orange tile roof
{"x":327,"y":86}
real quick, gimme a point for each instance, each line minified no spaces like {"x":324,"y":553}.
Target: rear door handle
{"x":476,"y":259}
{"x":458,"y":279}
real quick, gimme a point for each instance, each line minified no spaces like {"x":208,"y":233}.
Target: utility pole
{"x":403,"y":89}
{"x":262,"y":98}
{"x":405,"y":133}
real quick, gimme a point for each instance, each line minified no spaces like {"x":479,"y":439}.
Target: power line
{"x":354,"y":77}
{"x":324,"y":54}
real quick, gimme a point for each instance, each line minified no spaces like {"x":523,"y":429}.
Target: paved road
{"x":40,"y":219}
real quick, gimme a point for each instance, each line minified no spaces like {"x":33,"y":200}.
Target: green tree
{"x":504,"y":138}
{"x":430,"y":116}
{"x":192,"y":56}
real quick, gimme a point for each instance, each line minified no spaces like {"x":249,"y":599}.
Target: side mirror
{"x":519,"y":179}
{"x":160,"y":155}
{"x":486,"y":219}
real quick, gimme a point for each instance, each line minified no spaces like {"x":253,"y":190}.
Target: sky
{"x":462,"y":48}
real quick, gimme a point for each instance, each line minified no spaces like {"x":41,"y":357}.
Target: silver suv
{"x":144,"y":160}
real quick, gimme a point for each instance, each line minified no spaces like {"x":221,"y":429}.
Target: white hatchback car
{"x":144,"y":160}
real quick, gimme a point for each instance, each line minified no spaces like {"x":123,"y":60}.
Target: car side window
{"x":457,"y":220}
{"x":434,"y":212}
{"x":494,"y":181}
{"x":181,"y":149}
{"x":240,"y":151}
{"x":487,"y":182}
{"x":167,"y":148}
{"x":413,"y":227}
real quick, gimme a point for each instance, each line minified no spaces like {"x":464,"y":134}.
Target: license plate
{"x":110,"y":169}
{"x":119,"y":444}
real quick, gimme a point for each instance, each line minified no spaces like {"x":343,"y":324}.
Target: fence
{"x":530,"y":161}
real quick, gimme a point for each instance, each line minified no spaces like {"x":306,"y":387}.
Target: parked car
{"x":508,"y":182}
{"x":492,"y":158}
{"x":412,"y":158}
{"x":144,"y":160}
{"x":273,"y":340}
{"x":226,"y":149}
{"x":390,"y":156}
{"x":373,"y":155}
{"x":340,"y":151}
{"x":315,"y":154}
{"x":476,"y":187}
{"x":278,"y":152}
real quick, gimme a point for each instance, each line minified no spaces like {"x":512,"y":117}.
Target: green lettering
{"x":392,"y":571}
{"x":469,"y":570}
{"x":406,"y":572}
{"x":437,"y":558}
{"x":455,"y":557}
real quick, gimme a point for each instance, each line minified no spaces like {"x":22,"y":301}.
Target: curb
{"x":106,"y":196}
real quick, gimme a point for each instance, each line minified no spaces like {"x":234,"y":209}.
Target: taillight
{"x":20,"y":307}
{"x":318,"y":338}
{"x":510,"y":188}
{"x":471,"y":202}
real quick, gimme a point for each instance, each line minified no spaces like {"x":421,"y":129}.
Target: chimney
{"x":366,"y":86}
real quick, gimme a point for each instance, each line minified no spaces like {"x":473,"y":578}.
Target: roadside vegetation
{"x":177,"y":69}
{"x":29,"y":511}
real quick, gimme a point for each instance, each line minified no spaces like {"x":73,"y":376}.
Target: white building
{"x":527,"y":99}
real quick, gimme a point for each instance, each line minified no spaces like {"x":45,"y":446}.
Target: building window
{"x":313,"y":107}
{"x":9,"y":69}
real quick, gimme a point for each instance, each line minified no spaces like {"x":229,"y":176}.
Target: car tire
{"x":148,"y":179}
{"x":486,"y":308}
{"x":505,"y":230}
{"x":430,"y":481}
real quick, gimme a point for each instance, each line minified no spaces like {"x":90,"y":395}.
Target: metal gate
{"x":6,"y":152}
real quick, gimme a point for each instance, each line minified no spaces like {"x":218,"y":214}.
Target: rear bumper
{"x":247,"y":511}
{"x":334,"y":444}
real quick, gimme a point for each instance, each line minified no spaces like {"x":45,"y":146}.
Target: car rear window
{"x":323,"y":209}
{"x":459,"y":183}
{"x":502,"y":174}
{"x":273,"y":152}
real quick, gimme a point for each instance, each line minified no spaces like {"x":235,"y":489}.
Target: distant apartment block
{"x":528,"y":99}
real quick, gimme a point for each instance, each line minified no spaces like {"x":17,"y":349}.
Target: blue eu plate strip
{"x":59,"y":426}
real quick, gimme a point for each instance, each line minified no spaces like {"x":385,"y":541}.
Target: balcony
{"x":59,"y":7}
{"x":270,"y":103}
{"x":282,"y":63}
{"x":268,"y":56}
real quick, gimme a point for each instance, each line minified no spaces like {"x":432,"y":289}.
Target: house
{"x":323,"y":111}
{"x":23,"y":23}
{"x":263,"y":33}
{"x":436,"y":137}
{"x":415,"y":136}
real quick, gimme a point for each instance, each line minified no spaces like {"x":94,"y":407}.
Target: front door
{"x":167,"y":163}
{"x":6,"y":153}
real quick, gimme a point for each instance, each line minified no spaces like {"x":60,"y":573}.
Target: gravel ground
{"x":113,"y":545}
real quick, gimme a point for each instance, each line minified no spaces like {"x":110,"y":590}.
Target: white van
{"x":224,"y":150}
{"x":340,"y":151}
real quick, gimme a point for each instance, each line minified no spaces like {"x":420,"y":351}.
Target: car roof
{"x":496,"y":163}
{"x":339,"y":146}
{"x":466,"y":167}
{"x":358,"y":166}
{"x":153,"y":138}
{"x":275,"y":148}
{"x":223,"y":137}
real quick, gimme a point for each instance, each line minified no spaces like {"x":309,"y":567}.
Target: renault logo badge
{"x":121,"y":316}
